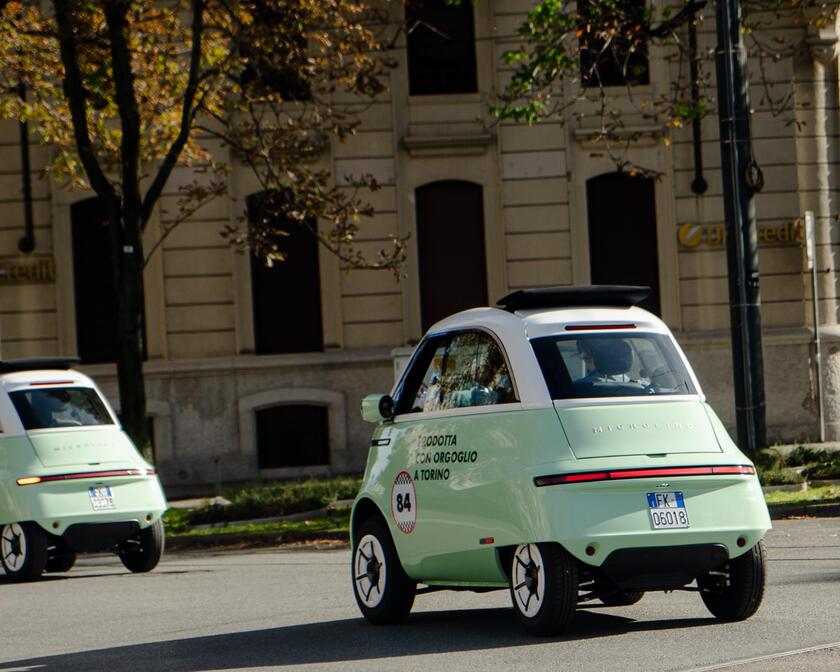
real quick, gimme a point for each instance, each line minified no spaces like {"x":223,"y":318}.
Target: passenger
{"x":491,"y":384}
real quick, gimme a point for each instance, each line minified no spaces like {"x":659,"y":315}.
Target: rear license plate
{"x":667,"y":510}
{"x":101,"y":498}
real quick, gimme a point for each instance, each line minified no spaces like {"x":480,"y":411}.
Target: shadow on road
{"x":47,"y":578}
{"x":335,"y":641}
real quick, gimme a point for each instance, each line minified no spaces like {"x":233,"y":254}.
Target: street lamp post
{"x":741,"y":179}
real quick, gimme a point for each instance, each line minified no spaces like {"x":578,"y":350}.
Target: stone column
{"x":824,"y":200}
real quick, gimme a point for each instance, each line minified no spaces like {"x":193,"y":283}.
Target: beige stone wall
{"x":197,"y":313}
{"x":27,"y":310}
{"x":198,"y":303}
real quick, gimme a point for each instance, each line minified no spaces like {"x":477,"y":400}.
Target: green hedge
{"x":802,"y":463}
{"x":277,"y":498}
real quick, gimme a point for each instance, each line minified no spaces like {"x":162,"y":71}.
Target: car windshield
{"x":50,"y":407}
{"x":590,"y":365}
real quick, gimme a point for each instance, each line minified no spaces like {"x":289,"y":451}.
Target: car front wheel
{"x":24,"y":551}
{"x":735,"y":591}
{"x":384,"y":592}
{"x":543,"y":587}
{"x":143,"y":551}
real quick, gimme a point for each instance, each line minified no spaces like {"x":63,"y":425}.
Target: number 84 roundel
{"x":404,"y":502}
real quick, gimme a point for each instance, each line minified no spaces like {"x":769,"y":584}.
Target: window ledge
{"x":648,"y":134}
{"x":473,"y":144}
{"x":444,"y":98}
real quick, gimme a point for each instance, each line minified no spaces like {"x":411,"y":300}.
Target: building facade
{"x":255,"y":372}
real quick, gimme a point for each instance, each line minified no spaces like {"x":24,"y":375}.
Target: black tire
{"x":623,"y":598}
{"x":547,"y":573}
{"x":384,"y":592}
{"x":143,"y":551}
{"x":62,"y":561}
{"x":23,"y":547}
{"x":737,"y":594}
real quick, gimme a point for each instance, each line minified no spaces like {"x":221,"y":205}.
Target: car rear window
{"x":583,"y":366}
{"x":50,"y":407}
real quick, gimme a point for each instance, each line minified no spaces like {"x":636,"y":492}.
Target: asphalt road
{"x":294,"y":609}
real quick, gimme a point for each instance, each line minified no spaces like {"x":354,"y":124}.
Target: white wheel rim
{"x":13,"y":547}
{"x":528,"y":580}
{"x":369,"y":571}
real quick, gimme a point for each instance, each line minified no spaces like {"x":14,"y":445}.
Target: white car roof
{"x":11,"y":381}
{"x":536,"y":322}
{"x":515,"y":328}
{"x":43,"y":377}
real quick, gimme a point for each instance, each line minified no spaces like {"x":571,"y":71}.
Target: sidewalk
{"x":336,"y":539}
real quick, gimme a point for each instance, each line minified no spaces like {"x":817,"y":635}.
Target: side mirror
{"x":377,"y":407}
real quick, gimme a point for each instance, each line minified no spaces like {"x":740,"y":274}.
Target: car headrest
{"x":613,"y":357}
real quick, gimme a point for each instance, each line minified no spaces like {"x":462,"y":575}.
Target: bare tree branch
{"x":188,"y":112}
{"x":74,"y":92}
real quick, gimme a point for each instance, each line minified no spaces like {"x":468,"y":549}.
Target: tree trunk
{"x":125,"y":235}
{"x":127,"y":255}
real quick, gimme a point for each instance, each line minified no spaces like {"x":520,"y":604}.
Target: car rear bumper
{"x":58,"y":505}
{"x":594,"y":520}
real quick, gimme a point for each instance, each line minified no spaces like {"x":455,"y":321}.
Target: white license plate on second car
{"x":101,"y":498}
{"x":667,"y":510}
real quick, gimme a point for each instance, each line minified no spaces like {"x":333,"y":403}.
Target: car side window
{"x":466,"y":370}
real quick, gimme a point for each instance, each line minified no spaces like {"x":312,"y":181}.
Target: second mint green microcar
{"x":561,"y":448}
{"x":70,"y":478}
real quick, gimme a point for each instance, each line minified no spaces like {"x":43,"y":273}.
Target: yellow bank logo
{"x":714,"y":235}
{"x":690,"y":235}
{"x":22,"y":271}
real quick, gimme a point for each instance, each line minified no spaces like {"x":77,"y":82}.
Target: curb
{"x":254,"y":540}
{"x":782,"y":511}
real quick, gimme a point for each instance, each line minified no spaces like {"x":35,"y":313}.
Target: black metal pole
{"x":742,"y":241}
{"x":27,"y":243}
{"x":699,"y":184}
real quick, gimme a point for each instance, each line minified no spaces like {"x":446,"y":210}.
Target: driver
{"x":607,"y":360}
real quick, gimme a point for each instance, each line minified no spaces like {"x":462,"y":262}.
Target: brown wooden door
{"x":93,"y":283}
{"x":450,"y":247}
{"x":622,"y":233}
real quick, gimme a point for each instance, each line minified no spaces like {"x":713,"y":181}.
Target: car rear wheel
{"x":60,"y":561}
{"x":144,"y":550}
{"x":735,"y":591}
{"x":384,"y":592}
{"x":24,"y":551}
{"x":543,"y":587}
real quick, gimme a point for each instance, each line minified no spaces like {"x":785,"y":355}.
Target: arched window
{"x":294,"y":435}
{"x":441,"y":47}
{"x":93,"y":282}
{"x":286,"y":296}
{"x":450,"y":248}
{"x":301,"y":430}
{"x":622,"y":233}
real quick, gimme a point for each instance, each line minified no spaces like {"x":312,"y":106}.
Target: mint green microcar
{"x":559,"y":447}
{"x":70,"y":479}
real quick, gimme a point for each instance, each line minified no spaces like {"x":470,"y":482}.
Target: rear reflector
{"x":32,"y":480}
{"x":598,"y":327}
{"x":656,"y":472}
